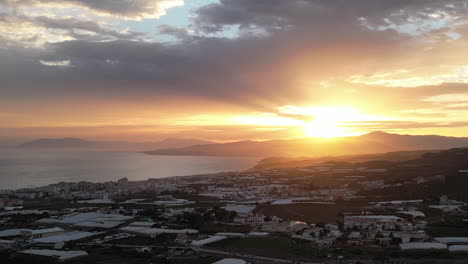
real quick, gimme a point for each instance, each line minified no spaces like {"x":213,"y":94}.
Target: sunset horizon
{"x":231,"y":70}
{"x":233,"y":131}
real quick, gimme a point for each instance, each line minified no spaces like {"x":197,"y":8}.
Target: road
{"x":201,"y":250}
{"x":239,"y":255}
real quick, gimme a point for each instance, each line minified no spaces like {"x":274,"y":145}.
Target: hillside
{"x":284,"y":162}
{"x":375,"y":142}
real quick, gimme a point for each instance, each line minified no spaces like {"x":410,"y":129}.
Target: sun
{"x":324,"y":128}
{"x":328,"y":121}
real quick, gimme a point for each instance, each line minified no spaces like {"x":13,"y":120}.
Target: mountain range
{"x":375,"y":142}
{"x":81,"y":144}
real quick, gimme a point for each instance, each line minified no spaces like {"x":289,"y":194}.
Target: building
{"x":385,"y":222}
{"x":230,"y":261}
{"x":209,"y":240}
{"x":284,"y":227}
{"x":38,"y":233}
{"x":422,"y":246}
{"x":59,"y":255}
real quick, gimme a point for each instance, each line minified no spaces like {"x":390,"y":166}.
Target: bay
{"x":22,"y":169}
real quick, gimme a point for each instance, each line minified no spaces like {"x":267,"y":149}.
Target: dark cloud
{"x":247,"y":69}
{"x":176,"y":32}
{"x":317,"y":15}
{"x":285,"y":48}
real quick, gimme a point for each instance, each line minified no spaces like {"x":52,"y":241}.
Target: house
{"x":354,"y":235}
{"x":387,"y":222}
{"x":249,"y":219}
{"x":242,"y":211}
{"x":335,"y":233}
{"x":418,"y":235}
{"x":284,"y":227}
{"x":444,"y":200}
{"x":421,"y":224}
{"x":29,"y":195}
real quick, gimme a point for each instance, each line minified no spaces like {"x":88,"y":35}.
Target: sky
{"x":226,"y":70}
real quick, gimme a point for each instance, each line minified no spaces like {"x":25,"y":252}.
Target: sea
{"x":24,"y":169}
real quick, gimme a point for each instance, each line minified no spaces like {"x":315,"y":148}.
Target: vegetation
{"x":278,"y":247}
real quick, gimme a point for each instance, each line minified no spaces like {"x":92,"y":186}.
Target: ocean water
{"x":20,"y":168}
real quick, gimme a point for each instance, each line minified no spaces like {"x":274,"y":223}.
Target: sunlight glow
{"x":321,"y":127}
{"x":326,"y":120}
{"x":266,"y":119}
{"x":317,"y":121}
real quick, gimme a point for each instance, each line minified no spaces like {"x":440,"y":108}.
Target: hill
{"x":59,"y":143}
{"x":375,"y":142}
{"x":284,"y":162}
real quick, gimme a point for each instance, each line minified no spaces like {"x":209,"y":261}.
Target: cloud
{"x":37,"y":31}
{"x":406,"y":16}
{"x":306,"y":45}
{"x":133,"y":10}
{"x":385,"y":56}
{"x":79,"y":27}
{"x":404,"y":78}
{"x":64,"y":63}
{"x":401,"y":125}
{"x":177,"y":32}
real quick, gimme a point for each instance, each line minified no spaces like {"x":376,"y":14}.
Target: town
{"x":333,"y":212}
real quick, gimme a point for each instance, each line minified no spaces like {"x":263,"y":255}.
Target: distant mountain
{"x":375,"y":142}
{"x":59,"y":143}
{"x":176,"y":143}
{"x":416,"y":142}
{"x":81,"y":144}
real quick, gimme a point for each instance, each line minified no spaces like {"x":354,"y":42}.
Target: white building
{"x":422,"y":246}
{"x":206,"y":241}
{"x":60,"y":255}
{"x":230,"y":261}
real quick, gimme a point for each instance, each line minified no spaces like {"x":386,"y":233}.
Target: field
{"x":277,"y":247}
{"x":311,"y":213}
{"x":453,"y":226}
